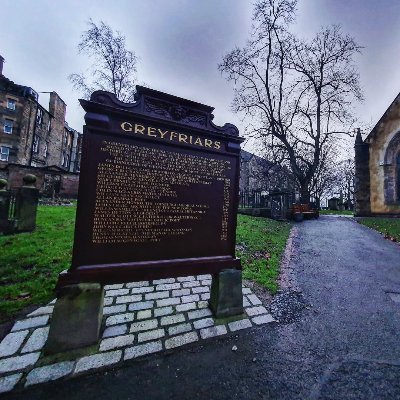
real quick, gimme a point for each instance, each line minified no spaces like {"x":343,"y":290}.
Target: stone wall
{"x":383,"y":167}
{"x":19,"y":141}
{"x":377,"y":181}
{"x":64,"y":184}
{"x":57,"y":108}
{"x":24,"y":136}
{"x":69,"y":185}
{"x":43,"y":132}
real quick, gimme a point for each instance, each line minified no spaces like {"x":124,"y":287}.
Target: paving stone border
{"x":140,"y":318}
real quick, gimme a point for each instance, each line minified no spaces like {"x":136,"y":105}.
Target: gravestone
{"x":5,"y":196}
{"x":158,"y":196}
{"x":18,"y":210}
{"x":27,"y":200}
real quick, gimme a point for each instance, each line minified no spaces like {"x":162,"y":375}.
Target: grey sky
{"x":181,"y":42}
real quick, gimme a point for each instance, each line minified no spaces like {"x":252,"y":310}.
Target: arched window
{"x":392,"y":171}
{"x":398,"y":175}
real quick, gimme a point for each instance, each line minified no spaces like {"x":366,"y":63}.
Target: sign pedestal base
{"x":226,"y":299}
{"x":76,"y":318}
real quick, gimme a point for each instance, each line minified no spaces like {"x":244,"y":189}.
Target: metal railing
{"x":253,"y":199}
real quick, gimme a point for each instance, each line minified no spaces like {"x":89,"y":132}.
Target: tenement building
{"x":35,"y":140}
{"x":377,"y":162}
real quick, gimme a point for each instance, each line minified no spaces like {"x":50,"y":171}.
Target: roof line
{"x":375,"y":128}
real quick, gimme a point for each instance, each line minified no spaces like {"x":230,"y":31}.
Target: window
{"x":4,"y":153}
{"x":8,"y":126}
{"x":398,"y":175}
{"x":36,"y":140}
{"x":11,"y":104}
{"x":49,"y":125}
{"x":65,"y":160}
{"x":45,"y":149}
{"x":39,"y":116}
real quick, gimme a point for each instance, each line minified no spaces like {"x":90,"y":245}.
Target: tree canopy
{"x":112,"y":68}
{"x":296,"y":93}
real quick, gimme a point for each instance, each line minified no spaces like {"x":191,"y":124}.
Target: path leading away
{"x":343,"y":344}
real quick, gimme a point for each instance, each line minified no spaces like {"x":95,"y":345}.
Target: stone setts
{"x":140,"y":318}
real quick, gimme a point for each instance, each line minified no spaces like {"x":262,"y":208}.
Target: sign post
{"x":158,"y":196}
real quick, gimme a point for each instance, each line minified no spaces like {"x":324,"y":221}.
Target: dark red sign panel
{"x":158,"y":191}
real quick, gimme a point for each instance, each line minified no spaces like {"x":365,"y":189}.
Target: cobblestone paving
{"x":140,"y":318}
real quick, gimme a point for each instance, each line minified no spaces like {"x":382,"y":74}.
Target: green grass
{"x":334,"y":212}
{"x":30,"y":262}
{"x":260,"y":244}
{"x":389,"y":227}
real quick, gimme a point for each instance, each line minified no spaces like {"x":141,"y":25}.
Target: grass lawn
{"x":333,"y":212}
{"x":389,"y":227}
{"x":30,"y":262}
{"x":260,"y":244}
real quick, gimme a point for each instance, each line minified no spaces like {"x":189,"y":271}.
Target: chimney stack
{"x":1,"y":65}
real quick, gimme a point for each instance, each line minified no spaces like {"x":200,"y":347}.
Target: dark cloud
{"x":181,"y":42}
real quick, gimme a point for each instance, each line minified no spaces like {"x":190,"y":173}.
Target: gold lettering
{"x":162,"y":134}
{"x":182,"y":138}
{"x":139,"y":129}
{"x":198,"y":142}
{"x":207,"y":143}
{"x":190,"y":139}
{"x":217,"y":145}
{"x":151,"y":131}
{"x":172,"y":135}
{"x":126,"y":126}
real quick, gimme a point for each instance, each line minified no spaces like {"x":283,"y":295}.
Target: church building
{"x":377,"y":166}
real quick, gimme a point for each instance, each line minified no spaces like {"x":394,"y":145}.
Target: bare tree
{"x":325,"y":179}
{"x":295,"y":93}
{"x":113,"y":67}
{"x":345,"y":181}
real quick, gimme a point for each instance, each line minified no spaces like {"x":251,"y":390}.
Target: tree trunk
{"x":304,"y":194}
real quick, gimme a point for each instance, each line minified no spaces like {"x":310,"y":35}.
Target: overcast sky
{"x":181,"y":42}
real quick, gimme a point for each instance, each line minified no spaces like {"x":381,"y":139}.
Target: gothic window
{"x":392,"y":171}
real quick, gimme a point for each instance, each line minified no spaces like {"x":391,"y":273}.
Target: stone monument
{"x":158,"y":196}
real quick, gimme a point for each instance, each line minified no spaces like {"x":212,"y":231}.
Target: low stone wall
{"x":256,"y":212}
{"x":49,"y":180}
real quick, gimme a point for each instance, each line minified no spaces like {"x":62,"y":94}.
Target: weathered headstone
{"x":5,"y":197}
{"x":26,"y":205}
{"x":158,"y":194}
{"x":18,"y":210}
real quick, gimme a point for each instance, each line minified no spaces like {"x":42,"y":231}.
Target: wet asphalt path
{"x":345,"y":344}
